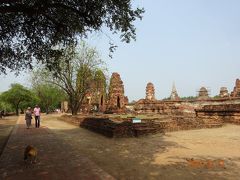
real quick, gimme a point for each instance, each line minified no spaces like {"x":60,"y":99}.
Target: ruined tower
{"x":236,"y":90}
{"x":116,"y":98}
{"x":150,"y":92}
{"x":203,"y":93}
{"x":223,"y":92}
{"x":174,"y":95}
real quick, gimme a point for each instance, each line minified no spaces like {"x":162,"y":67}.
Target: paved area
{"x":56,"y":158}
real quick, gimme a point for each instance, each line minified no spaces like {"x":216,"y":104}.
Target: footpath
{"x":56,"y":159}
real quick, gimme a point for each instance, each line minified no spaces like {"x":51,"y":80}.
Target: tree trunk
{"x":17,"y":105}
{"x":74,"y":106}
{"x":17,"y":111}
{"x":47,"y":111}
{"x":74,"y":110}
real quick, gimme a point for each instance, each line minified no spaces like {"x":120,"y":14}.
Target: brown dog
{"x":30,"y":154}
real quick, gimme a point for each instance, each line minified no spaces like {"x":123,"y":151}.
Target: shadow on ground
{"x":6,"y":126}
{"x":135,"y":158}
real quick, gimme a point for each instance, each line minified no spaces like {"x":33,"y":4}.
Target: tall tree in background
{"x":29,"y":29}
{"x":99,"y":88}
{"x":75,"y":73}
{"x":4,"y":106}
{"x":49,"y":95}
{"x":16,"y":95}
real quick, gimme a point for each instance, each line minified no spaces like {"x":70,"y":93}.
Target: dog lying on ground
{"x":30,"y":154}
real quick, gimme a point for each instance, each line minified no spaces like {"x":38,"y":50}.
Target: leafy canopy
{"x":49,"y":95}
{"x":29,"y":29}
{"x":15,"y":95}
{"x":74,"y":74}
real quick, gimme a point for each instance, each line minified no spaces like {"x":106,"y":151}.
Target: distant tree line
{"x":183,"y":98}
{"x":188,"y":98}
{"x":18,"y":98}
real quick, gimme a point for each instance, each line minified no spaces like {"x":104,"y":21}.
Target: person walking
{"x":28,"y":117}
{"x":37,"y":112}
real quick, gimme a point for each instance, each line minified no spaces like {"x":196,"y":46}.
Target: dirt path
{"x":56,"y":158}
{"x":211,"y":153}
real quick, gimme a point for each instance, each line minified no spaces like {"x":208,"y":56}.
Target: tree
{"x":99,"y":89}
{"x":49,"y":95}
{"x":15,"y":95}
{"x":31,"y":102}
{"x":75,"y":73}
{"x":30,"y":29}
{"x":189,"y":98}
{"x":5,"y":106}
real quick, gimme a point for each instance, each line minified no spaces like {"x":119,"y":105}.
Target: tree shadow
{"x":64,"y":148}
{"x":135,"y":158}
{"x":6,"y":126}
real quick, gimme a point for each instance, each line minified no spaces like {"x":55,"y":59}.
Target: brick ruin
{"x":223,"y":113}
{"x":174,"y":95}
{"x":116,"y":99}
{"x":165,"y":115}
{"x":96,"y":97}
{"x":98,"y":100}
{"x":201,"y":112}
{"x":203,"y":94}
{"x":236,"y":90}
{"x":99,"y":93}
{"x":150,"y":92}
{"x":223,"y":92}
{"x":115,"y":127}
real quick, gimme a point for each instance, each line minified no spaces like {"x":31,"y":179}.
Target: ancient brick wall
{"x":227,"y":113}
{"x":236,"y":90}
{"x":116,"y":98}
{"x":223,"y":92}
{"x":150,"y":92}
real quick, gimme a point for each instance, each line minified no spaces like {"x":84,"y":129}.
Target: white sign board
{"x":136,"y":120}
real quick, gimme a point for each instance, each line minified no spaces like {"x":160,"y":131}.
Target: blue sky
{"x":193,"y":43}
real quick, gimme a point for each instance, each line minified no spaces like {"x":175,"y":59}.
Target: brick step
{"x":144,"y":131}
{"x":214,"y":125}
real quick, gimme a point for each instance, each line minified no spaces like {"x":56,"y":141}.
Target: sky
{"x":191,"y":43}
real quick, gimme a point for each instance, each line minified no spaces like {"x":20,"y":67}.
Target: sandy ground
{"x":6,"y":125}
{"x":193,"y":154}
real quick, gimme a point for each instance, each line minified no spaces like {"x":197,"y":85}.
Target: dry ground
{"x":6,"y":126}
{"x":211,"y":153}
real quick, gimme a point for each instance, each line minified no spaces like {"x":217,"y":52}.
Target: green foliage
{"x":16,"y":96}
{"x":100,"y":81}
{"x":189,"y":98}
{"x":5,"y":106}
{"x":32,"y":28}
{"x":99,"y":87}
{"x":29,"y":103}
{"x":49,"y":96}
{"x":84,"y":78}
{"x":216,"y":97}
{"x":75,"y":73}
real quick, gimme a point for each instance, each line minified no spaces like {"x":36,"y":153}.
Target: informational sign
{"x":136,"y":120}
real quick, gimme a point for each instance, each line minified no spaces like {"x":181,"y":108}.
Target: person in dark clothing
{"x":28,"y":117}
